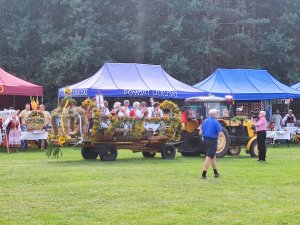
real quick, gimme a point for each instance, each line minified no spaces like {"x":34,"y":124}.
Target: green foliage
{"x":58,"y":42}
{"x":53,"y":151}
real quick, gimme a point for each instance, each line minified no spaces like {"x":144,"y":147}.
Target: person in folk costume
{"x":13,"y":132}
{"x":104,"y":111}
{"x":144,"y":110}
{"x":116,"y":109}
{"x":136,"y":112}
{"x":156,"y":111}
{"x":127,"y":106}
{"x":289,"y":120}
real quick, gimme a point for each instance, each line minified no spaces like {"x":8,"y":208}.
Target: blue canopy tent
{"x":246,"y":84}
{"x":296,"y":86}
{"x":132,"y":80}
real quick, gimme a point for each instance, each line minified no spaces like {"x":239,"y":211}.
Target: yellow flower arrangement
{"x":50,"y":137}
{"x":61,"y":140}
{"x":97,"y":113}
{"x":68,"y":91}
{"x":168,"y":105}
{"x":138,"y":130}
{"x":34,"y":103}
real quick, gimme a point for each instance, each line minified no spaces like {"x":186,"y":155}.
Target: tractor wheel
{"x":234,"y":150}
{"x":168,"y":152}
{"x":223,"y":144}
{"x":149,"y":154}
{"x":198,"y":153}
{"x":108,"y":152}
{"x":254,"y":149}
{"x":88,"y":153}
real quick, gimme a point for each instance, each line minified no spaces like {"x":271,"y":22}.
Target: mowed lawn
{"x":134,"y":190}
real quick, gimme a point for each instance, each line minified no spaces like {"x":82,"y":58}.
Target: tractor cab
{"x":237,"y":131}
{"x":198,"y":107}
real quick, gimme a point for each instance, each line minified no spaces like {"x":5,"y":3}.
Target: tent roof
{"x":246,"y":84}
{"x":11,"y":85}
{"x":296,"y":86}
{"x":131,"y":79}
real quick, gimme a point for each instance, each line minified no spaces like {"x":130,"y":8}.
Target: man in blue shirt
{"x":211,"y":129}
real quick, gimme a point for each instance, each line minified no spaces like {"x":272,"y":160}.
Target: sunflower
{"x":68,"y":91}
{"x":88,"y":101}
{"x":61,"y":140}
{"x":84,"y":105}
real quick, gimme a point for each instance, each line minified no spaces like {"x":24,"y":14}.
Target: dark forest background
{"x":59,"y":42}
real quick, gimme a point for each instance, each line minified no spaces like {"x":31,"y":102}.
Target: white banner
{"x":8,"y":113}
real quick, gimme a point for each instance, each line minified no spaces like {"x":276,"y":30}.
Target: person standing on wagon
{"x":211,"y":129}
{"x":23,"y":117}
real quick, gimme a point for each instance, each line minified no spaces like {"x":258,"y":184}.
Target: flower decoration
{"x":61,"y":140}
{"x":68,"y":91}
{"x":34,"y":103}
{"x":50,"y":137}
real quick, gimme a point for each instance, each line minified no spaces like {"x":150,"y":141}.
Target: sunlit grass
{"x":135,"y":190}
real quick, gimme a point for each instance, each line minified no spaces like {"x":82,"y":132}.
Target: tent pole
{"x":14,"y":101}
{"x":57,"y":101}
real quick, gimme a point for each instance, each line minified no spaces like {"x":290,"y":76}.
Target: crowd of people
{"x":13,"y":125}
{"x":137,"y":110}
{"x":276,"y":123}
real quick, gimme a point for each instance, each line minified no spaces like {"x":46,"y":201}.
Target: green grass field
{"x":134,"y":190}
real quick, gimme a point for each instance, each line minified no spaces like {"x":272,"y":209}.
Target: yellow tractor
{"x":238,"y":131}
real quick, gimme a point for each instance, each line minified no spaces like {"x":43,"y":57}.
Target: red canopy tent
{"x":11,"y":86}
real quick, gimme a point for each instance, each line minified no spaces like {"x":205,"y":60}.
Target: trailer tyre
{"x":149,"y":154}
{"x":88,"y":153}
{"x":223,"y":144}
{"x":168,"y":152}
{"x":108,"y":153}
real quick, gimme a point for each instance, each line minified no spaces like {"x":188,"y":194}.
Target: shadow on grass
{"x":130,"y":160}
{"x":4,"y":150}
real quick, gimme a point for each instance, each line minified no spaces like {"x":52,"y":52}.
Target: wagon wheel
{"x":88,"y":153}
{"x":149,"y":154}
{"x":234,"y":150}
{"x":108,"y":152}
{"x":168,"y":152}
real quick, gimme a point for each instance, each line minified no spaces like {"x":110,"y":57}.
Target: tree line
{"x":59,"y":42}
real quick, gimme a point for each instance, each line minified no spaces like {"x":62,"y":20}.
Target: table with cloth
{"x":34,"y":135}
{"x":284,"y":134}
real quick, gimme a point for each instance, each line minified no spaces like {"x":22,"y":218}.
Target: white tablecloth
{"x":279,"y":135}
{"x":292,"y":130}
{"x":26,"y":135}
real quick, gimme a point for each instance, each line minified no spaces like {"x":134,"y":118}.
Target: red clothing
{"x":132,"y":113}
{"x":183,"y":116}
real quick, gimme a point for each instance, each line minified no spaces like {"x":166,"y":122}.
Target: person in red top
{"x":261,"y":127}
